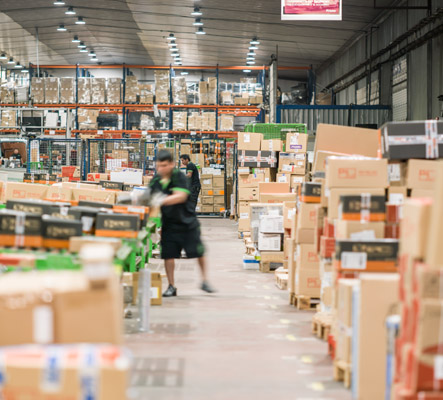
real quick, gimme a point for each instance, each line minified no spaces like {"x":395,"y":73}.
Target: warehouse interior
{"x":204,"y":199}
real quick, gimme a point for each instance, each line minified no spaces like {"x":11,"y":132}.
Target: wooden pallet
{"x":281,"y":281}
{"x":321,"y":326}
{"x":343,"y":372}
{"x":305,"y":302}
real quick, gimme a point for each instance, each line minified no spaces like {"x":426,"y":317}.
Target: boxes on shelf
{"x":67,"y":90}
{"x":87,"y":118}
{"x":294,"y":163}
{"x":132,"y":90}
{"x":84,"y":90}
{"x":113,"y":92}
{"x":9,"y":117}
{"x":195,"y":121}
{"x":7,"y":95}
{"x":421,"y":174}
{"x":38,"y":90}
{"x":249,"y":141}
{"x":51,"y":91}
{"x":271,"y":260}
{"x":208,"y":121}
{"x":296,"y":143}
{"x":272,"y":145}
{"x":161,"y":86}
{"x":179,"y":90}
{"x":98,"y":90}
{"x":146,"y":93}
{"x":226,"y":122}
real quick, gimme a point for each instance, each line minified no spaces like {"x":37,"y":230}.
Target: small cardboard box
{"x":249,"y":141}
{"x":296,"y":143}
{"x":272,"y":145}
{"x":271,"y":260}
{"x":422,"y":174}
{"x":251,"y":180}
{"x":248,"y":193}
{"x":294,"y":163}
{"x":305,"y":236}
{"x":356,"y":230}
{"x":344,"y":172}
{"x":306,"y":215}
{"x":156,"y":289}
{"x":289,"y":213}
{"x":218,"y":181}
{"x":206,"y":181}
{"x":307,"y":282}
{"x":307,"y":256}
{"x":99,"y":196}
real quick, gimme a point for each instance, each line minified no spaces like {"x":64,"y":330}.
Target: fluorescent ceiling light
{"x":251,"y":54}
{"x":3,"y":56}
{"x":184,"y":73}
{"x":197,"y":12}
{"x":250,"y":62}
{"x":61,"y":28}
{"x":94,"y":59}
{"x":81,"y":46}
{"x":174,"y":50}
{"x":18,"y":65}
{"x":24,"y":71}
{"x":253,"y":48}
{"x":83,"y":50}
{"x":70,"y":11}
{"x":76,"y":40}
{"x":172,"y":44}
{"x":80,"y":21}
{"x":59,"y":3}
{"x":91,"y":54}
{"x":11,"y":61}
{"x":175,"y":55}
{"x":198,"y":22}
{"x":200,"y":31}
{"x":254,"y":41}
{"x":250,"y":58}
{"x":246,"y":70}
{"x":171,"y":37}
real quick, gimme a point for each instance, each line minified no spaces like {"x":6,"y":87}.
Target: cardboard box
{"x":156,"y":289}
{"x":271,"y":260}
{"x":250,"y":180}
{"x":218,"y":181}
{"x":257,"y":210}
{"x":307,"y":257}
{"x":80,"y":312}
{"x":344,"y":300}
{"x":434,"y":256}
{"x":422,"y":174}
{"x":249,"y":141}
{"x":336,"y":193}
{"x":415,"y":227}
{"x":59,"y":193}
{"x":117,"y":225}
{"x":257,"y":159}
{"x":269,"y":242}
{"x":271,"y":224}
{"x":207,"y":208}
{"x":307,"y":282}
{"x":294,"y":163}
{"x":348,"y":140}
{"x":397,"y":171}
{"x":77,"y":242}
{"x":289,"y":213}
{"x":377,"y":295}
{"x":305,"y":236}
{"x":397,"y":194}
{"x":296,"y":142}
{"x":306,"y":215}
{"x":67,"y":90}
{"x":362,"y":208}
{"x":244,"y":224}
{"x":206,"y":181}
{"x":277,"y":197}
{"x":356,"y":172}
{"x":310,"y":192}
{"x":272,"y":145}
{"x":91,"y":195}
{"x":273,"y":187}
{"x":248,"y":193}
{"x":25,"y":191}
{"x":359,"y":230}
{"x":207,"y":200}
{"x":319,"y":166}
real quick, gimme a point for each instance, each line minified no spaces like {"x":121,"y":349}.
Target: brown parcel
{"x":248,"y":193}
{"x":25,"y":191}
{"x":99,"y":196}
{"x":289,"y":213}
{"x":307,"y":215}
{"x":296,"y":143}
{"x":434,"y":253}
{"x":422,"y":174}
{"x":273,"y":187}
{"x":250,"y":180}
{"x":77,"y":242}
{"x":277,"y":197}
{"x":272,"y":145}
{"x":156,"y":289}
{"x":206,"y":181}
{"x":320,"y":160}
{"x":346,"y":229}
{"x":356,"y":172}
{"x":344,"y":300}
{"x":249,"y":141}
{"x":378,"y":295}
{"x":307,"y":282}
{"x":307,"y":257}
{"x":69,"y":308}
{"x":305,"y":236}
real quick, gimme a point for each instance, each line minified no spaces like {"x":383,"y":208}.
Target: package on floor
{"x":296,"y":142}
{"x":271,"y":260}
{"x":67,"y":90}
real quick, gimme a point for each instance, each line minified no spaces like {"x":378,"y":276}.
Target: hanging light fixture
{"x":59,"y":3}
{"x":81,"y":46}
{"x":3,"y":56}
{"x":254,"y":41}
{"x":175,"y":55}
{"x":91,"y":54}
{"x":184,"y":73}
{"x":76,"y":40}
{"x":246,"y":70}
{"x":95,"y":59}
{"x":171,"y":37}
{"x":24,"y":71}
{"x":83,"y":50}
{"x":11,"y":61}
{"x":172,"y":44}
{"x":251,"y":53}
{"x":250,"y":62}
{"x":250,"y":58}
{"x":80,"y":21}
{"x":197,"y":12}
{"x":18,"y":65}
{"x":70,"y":11}
{"x":61,"y":28}
{"x":253,"y":47}
{"x":200,"y":31}
{"x":198,"y":22}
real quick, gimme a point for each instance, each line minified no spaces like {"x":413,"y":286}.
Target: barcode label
{"x":394,"y":173}
{"x":287,"y":167}
{"x":438,"y":367}
{"x":246,"y":137}
{"x":282,"y":179}
{"x":351,"y":260}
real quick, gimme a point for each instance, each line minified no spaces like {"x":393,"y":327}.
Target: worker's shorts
{"x":172,"y":244}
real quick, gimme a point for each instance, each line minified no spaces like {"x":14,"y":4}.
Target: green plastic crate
{"x":275,"y":131}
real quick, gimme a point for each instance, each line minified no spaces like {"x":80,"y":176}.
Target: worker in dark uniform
{"x":180,"y":226}
{"x":17,"y":156}
{"x":192,"y":173}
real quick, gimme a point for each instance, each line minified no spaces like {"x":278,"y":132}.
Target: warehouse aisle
{"x":244,"y":343}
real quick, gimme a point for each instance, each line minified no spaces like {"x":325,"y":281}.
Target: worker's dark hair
{"x":165,"y":155}
{"x":185,"y":157}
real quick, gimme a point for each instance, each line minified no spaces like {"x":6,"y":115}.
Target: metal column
{"x":273,"y":84}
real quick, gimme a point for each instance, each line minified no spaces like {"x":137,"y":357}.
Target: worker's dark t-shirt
{"x":195,"y":180}
{"x":178,"y":217}
{"x":17,"y":156}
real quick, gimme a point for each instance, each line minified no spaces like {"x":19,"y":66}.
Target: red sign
{"x":311,"y":10}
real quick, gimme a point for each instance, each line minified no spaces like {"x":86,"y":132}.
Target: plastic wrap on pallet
{"x":21,"y":94}
{"x":7,"y":94}
{"x":84,"y":90}
{"x":113,"y":92}
{"x":161,"y":87}
{"x":146,"y":93}
{"x":195,"y":121}
{"x":226,"y":122}
{"x":98,"y":89}
{"x":179,"y":91}
{"x":132,"y":90}
{"x":147,"y":122}
{"x":87,"y":118}
{"x":67,"y":90}
{"x":8,"y":117}
{"x":208,"y":121}
{"x":51,"y":91}
{"x":37,"y":91}
{"x":226,"y":97}
{"x":180,"y":121}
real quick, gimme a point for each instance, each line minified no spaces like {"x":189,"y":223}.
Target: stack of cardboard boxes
{"x":161,"y":87}
{"x":84,"y":90}
{"x":8,"y":117}
{"x":6,"y":95}
{"x":207,"y":91}
{"x":87,"y":118}
{"x":179,"y":91}
{"x":67,"y":90}
{"x":195,"y":121}
{"x":146,"y":93}
{"x":212,"y":196}
{"x":51,"y":91}
{"x":98,"y":90}
{"x":180,"y":121}
{"x":132,"y":90}
{"x":113,"y":92}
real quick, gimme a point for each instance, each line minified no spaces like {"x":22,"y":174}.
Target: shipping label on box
{"x":296,"y":142}
{"x":269,"y":242}
{"x":294,"y":163}
{"x":271,"y":224}
{"x":249,"y":141}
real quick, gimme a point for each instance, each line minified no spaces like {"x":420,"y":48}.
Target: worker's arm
{"x":177,"y":197}
{"x":189,"y":174}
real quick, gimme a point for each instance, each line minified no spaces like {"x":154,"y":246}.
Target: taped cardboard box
{"x":206,"y":208}
{"x":248,"y":193}
{"x":206,"y":181}
{"x":161,"y":86}
{"x":307,"y":282}
{"x":345,"y":172}
{"x":25,"y":191}
{"x":251,"y":180}
{"x":319,"y":166}
{"x":307,"y":256}
{"x":179,"y":90}
{"x":359,"y":230}
{"x":38,"y":90}
{"x":306,"y":215}
{"x":249,"y":141}
{"x":51,"y":91}
{"x":294,"y":163}
{"x":422,"y":174}
{"x":98,"y":90}
{"x":272,"y":145}
{"x":226,"y":123}
{"x":84,"y":90}
{"x":277,"y":197}
{"x":132,"y":90}
{"x":113,"y":92}
{"x":67,"y":90}
{"x":99,"y":196}
{"x":296,"y":142}
{"x":80,"y":312}
{"x":271,"y":260}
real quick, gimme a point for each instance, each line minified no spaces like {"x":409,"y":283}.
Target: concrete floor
{"x":245,"y":342}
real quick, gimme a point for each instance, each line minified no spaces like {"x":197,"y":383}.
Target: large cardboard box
{"x":344,"y":300}
{"x":376,"y":297}
{"x":305,"y":236}
{"x":277,"y":197}
{"x":273,"y":187}
{"x":359,"y":230}
{"x":206,"y":181}
{"x":319,"y":166}
{"x":296,"y":143}
{"x":81,"y":310}
{"x":67,"y":92}
{"x":271,"y":260}
{"x":257,"y":210}
{"x":17,"y":190}
{"x":272,"y":145}
{"x":98,"y":196}
{"x":59,"y":193}
{"x":289,"y":213}
{"x":307,"y":282}
{"x":250,"y":180}
{"x":348,"y":140}
{"x":307,"y":256}
{"x":306,"y":215}
{"x":335,"y":193}
{"x":434,"y":253}
{"x":422,"y":174}
{"x":248,"y":193}
{"x":345,"y":172}
{"x":269,"y":242}
{"x":249,"y":141}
